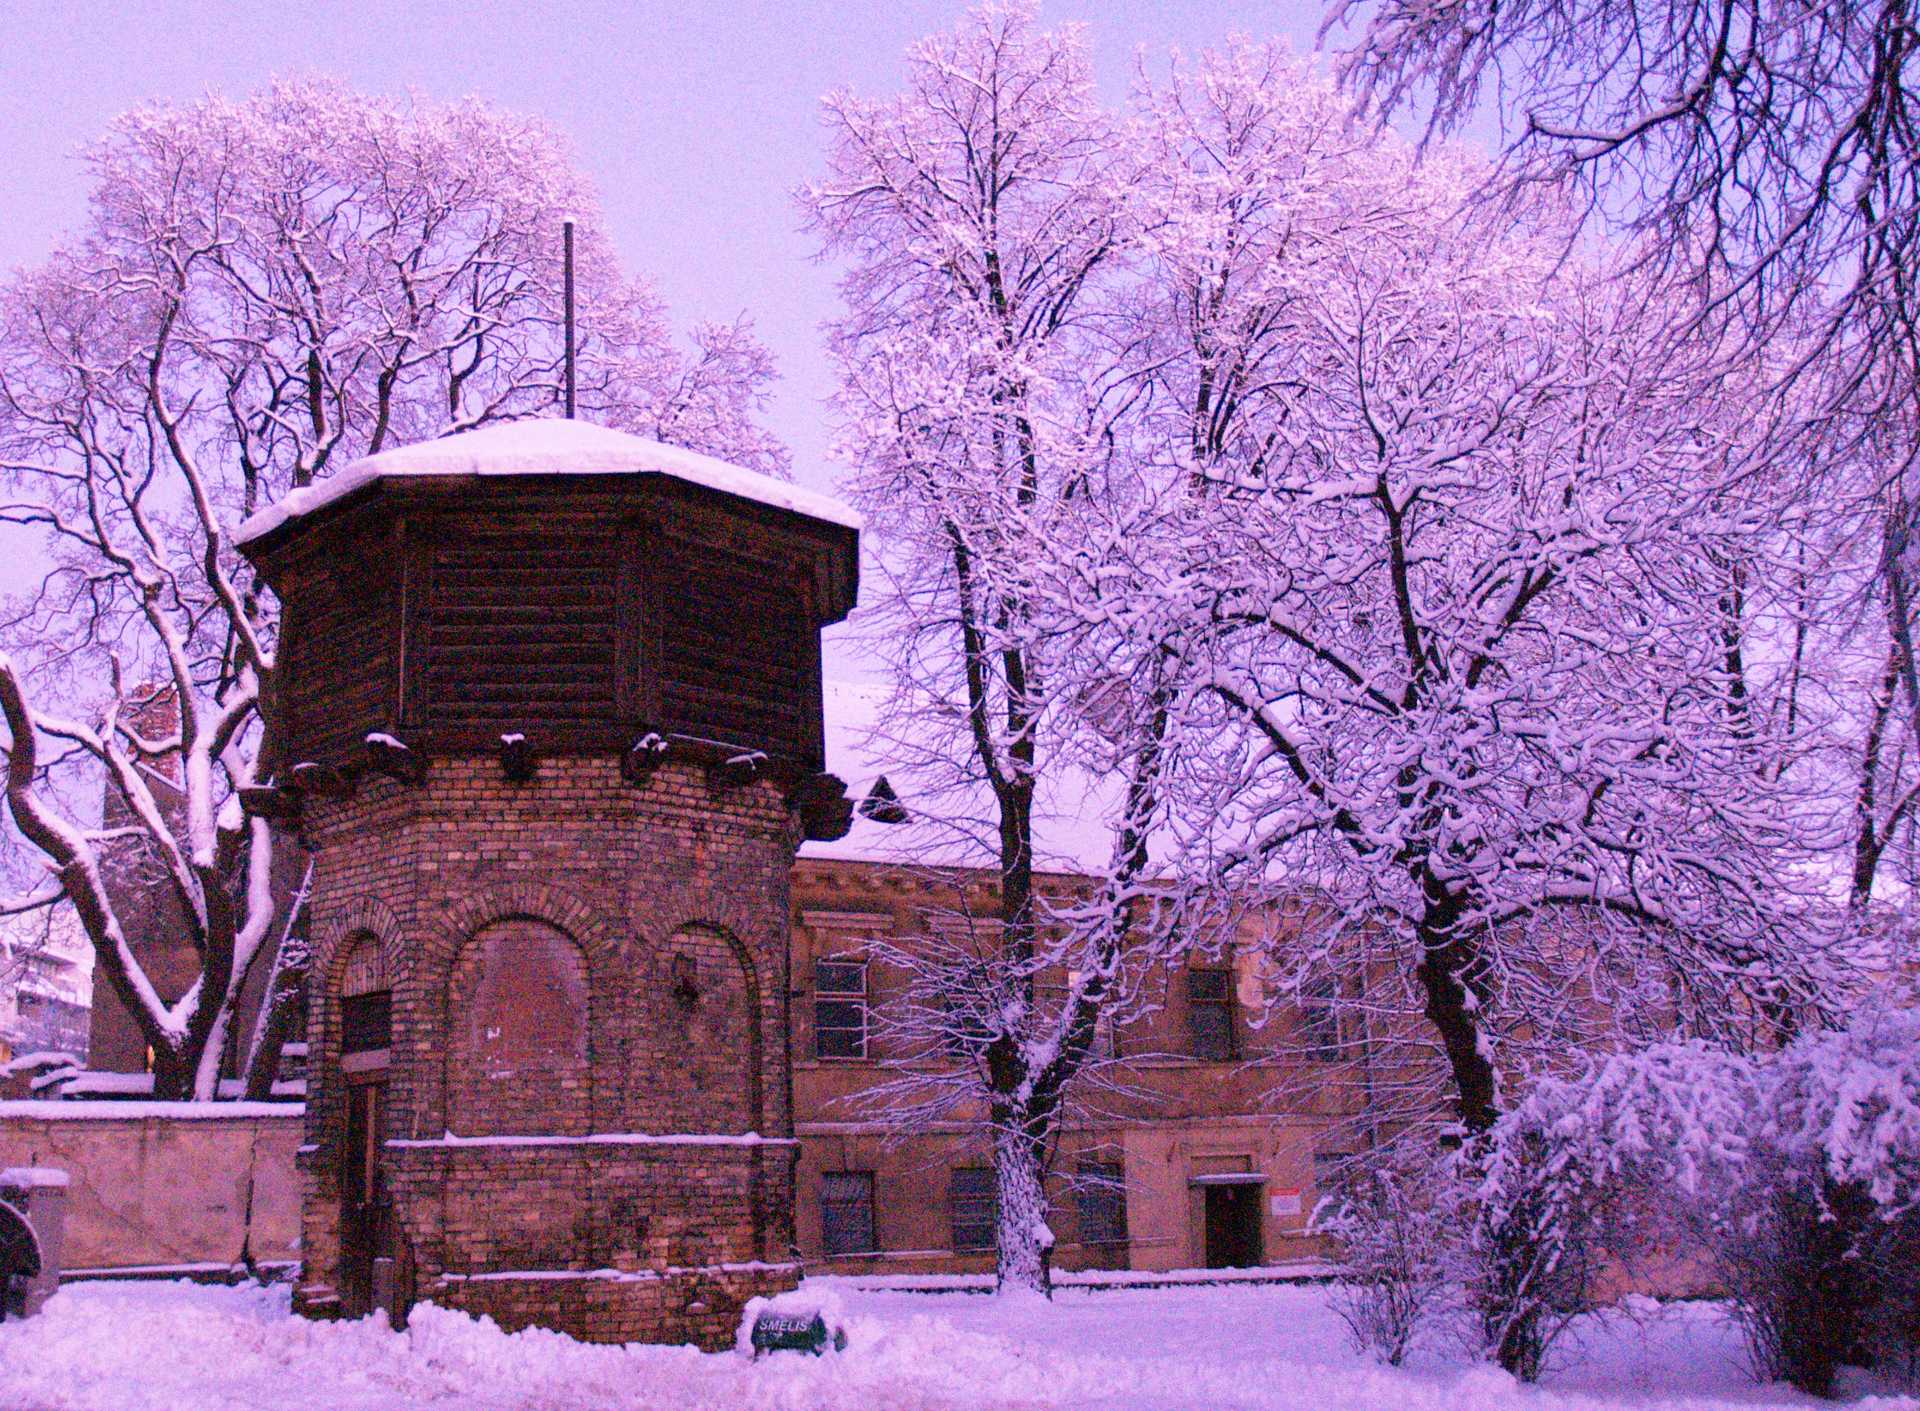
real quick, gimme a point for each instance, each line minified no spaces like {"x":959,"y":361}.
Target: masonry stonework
{"x":623,"y":1170}
{"x":548,"y":720}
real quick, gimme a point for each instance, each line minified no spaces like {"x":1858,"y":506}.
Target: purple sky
{"x":695,"y":120}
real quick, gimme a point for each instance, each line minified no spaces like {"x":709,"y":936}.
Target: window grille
{"x":1100,"y":1195}
{"x":846,"y":1212}
{"x":366,"y":1002}
{"x":974,"y":1209}
{"x":1210,"y":1028}
{"x":1320,"y":1019}
{"x":839,"y":1009}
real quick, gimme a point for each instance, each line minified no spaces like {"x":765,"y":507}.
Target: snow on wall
{"x":548,"y":446}
{"x":598,"y":1139}
{"x":79,"y":1110}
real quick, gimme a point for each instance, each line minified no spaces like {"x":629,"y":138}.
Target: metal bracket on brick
{"x":643,"y":756}
{"x":517,"y":758}
{"x":393,"y":758}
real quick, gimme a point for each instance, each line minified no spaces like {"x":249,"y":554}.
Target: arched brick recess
{"x":757,"y":934}
{"x":363,"y":915}
{"x":555,"y":903}
{"x":519,"y":1038}
{"x":675,"y":909}
{"x":550,"y":904}
{"x":720,"y":1032}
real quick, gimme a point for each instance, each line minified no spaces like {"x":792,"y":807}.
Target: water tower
{"x":549,"y":718}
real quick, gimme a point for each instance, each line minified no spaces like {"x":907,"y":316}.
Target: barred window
{"x":1210,"y":1014}
{"x":1100,"y":1196}
{"x":962,"y":1033}
{"x":846,"y":1212}
{"x":840,"y":1009}
{"x":1320,"y":1019}
{"x":973,"y":1209}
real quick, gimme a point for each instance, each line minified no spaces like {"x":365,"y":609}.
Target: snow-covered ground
{"x":177,"y":1347}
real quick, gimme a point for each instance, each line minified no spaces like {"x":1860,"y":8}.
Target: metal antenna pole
{"x":567,"y":241}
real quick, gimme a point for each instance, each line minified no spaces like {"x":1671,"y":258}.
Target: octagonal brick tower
{"x":549,"y":720}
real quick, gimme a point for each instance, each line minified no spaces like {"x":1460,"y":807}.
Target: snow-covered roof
{"x":548,"y":446}
{"x":953,"y":827}
{"x":57,"y":941}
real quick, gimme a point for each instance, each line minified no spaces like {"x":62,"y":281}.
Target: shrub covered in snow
{"x":1394,"y":1242}
{"x":1795,"y":1175}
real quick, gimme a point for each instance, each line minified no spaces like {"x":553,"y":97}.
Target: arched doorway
{"x":366,"y":1219}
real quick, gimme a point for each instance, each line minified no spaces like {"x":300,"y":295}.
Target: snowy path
{"x":176,"y":1347}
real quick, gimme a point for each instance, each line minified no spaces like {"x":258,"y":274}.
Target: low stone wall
{"x":165,"y":1187}
{"x":698,"y":1306}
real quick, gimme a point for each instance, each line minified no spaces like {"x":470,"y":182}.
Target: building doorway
{"x":1232,"y":1223}
{"x":362,"y":1242}
{"x":366,"y":1279}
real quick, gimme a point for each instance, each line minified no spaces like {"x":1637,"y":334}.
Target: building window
{"x":846,"y":1212}
{"x":1100,"y":1194}
{"x":967,"y":997}
{"x":973,"y":1209}
{"x":1320,"y":1019}
{"x":839,"y":1009}
{"x":1331,"y":1170}
{"x":1210,"y":1014}
{"x":366,"y":1000}
{"x":366,"y":1022}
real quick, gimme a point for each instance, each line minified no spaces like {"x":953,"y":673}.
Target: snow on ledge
{"x":38,"y":1059}
{"x":547,"y":446}
{"x":597,"y":1139}
{"x":620,"y":1276}
{"x":206,"y":1271}
{"x":82,"y":1110}
{"x":1294,"y":1271}
{"x":34,"y":1178}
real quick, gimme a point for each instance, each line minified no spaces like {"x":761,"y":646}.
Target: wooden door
{"x":1233,"y":1226}
{"x":360,"y":1197}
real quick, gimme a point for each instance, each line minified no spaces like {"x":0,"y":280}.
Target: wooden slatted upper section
{"x":735,"y":634}
{"x":519,"y":631}
{"x":580,"y":612}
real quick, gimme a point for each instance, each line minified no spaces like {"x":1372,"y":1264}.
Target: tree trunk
{"x":1447,"y":979}
{"x":174,"y":1073}
{"x":1025,"y":1243}
{"x":213,"y":1049}
{"x":279,"y":1006}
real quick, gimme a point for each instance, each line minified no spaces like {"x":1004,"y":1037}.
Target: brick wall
{"x":572,"y":955}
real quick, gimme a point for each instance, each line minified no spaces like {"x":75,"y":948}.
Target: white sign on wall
{"x":1285,"y":1200}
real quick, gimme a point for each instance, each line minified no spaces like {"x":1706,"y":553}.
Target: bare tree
{"x":1767,"y":151}
{"x":1766,"y":155}
{"x":1451,"y":575}
{"x":983,"y":213}
{"x":264,"y":291}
